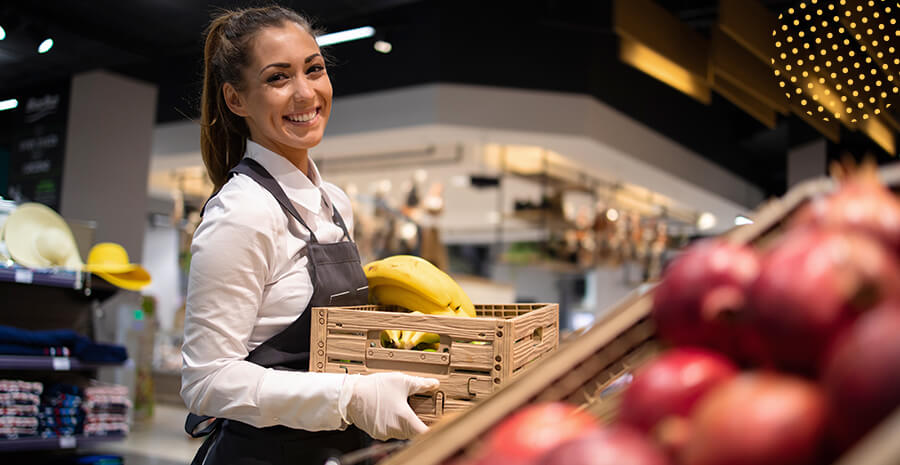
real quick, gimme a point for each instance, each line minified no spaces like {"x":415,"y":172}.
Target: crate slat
{"x":474,"y":359}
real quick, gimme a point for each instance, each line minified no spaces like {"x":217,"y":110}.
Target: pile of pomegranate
{"x":787,"y":353}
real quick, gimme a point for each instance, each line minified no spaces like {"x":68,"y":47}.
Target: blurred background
{"x":537,"y":150}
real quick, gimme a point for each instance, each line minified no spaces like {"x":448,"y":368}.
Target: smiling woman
{"x":273,"y":244}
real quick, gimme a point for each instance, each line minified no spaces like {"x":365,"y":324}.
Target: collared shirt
{"x":248,"y":281}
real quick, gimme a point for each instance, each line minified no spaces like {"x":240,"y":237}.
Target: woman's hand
{"x":377,"y":404}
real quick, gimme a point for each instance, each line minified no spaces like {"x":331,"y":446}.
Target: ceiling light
{"x":612,"y":214}
{"x":2,"y":33}
{"x":706,"y":221}
{"x":741,"y":220}
{"x":345,"y":36}
{"x":383,"y":46}
{"x":45,"y":45}
{"x":8,"y":104}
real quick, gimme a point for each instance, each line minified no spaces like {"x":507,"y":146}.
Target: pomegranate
{"x":671,"y":384}
{"x":611,"y":446}
{"x":702,"y":297}
{"x":861,"y":203}
{"x":758,"y":418}
{"x":528,"y":434}
{"x":812,"y":285}
{"x":862,"y":373}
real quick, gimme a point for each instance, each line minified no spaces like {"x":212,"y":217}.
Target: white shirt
{"x":248,"y":281}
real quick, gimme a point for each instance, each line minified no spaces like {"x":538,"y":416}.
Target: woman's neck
{"x":298,"y":157}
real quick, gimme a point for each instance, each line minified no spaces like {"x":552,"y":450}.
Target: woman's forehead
{"x":286,"y":42}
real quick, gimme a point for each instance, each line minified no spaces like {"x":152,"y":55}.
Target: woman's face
{"x":286,"y":97}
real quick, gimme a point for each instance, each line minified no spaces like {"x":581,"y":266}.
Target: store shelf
{"x":32,"y":362}
{"x":41,"y":277}
{"x":65,"y":442}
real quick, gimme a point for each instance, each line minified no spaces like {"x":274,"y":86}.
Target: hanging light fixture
{"x":838,"y":58}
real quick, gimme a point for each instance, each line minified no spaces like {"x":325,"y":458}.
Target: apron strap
{"x":252,"y":168}
{"x":194,"y":420}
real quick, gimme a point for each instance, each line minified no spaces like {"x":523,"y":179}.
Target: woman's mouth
{"x":304,"y":118}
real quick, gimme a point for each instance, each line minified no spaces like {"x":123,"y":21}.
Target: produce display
{"x":415,"y":284}
{"x":784,"y":352}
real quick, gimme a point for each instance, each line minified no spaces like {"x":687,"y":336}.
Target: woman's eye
{"x":276,"y":77}
{"x":315,"y":69}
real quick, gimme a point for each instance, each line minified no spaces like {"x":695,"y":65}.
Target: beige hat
{"x":37,"y":237}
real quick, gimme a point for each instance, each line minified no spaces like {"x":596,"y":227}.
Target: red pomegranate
{"x":812,"y":285}
{"x":702,"y":298}
{"x":671,"y":385}
{"x":758,"y":418}
{"x":528,"y":434}
{"x":862,"y":374}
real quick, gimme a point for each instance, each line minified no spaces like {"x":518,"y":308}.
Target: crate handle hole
{"x":537,"y":335}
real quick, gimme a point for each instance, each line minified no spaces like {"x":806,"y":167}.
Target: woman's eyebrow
{"x":276,"y":65}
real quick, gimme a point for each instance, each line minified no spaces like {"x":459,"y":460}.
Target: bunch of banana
{"x":417,"y":285}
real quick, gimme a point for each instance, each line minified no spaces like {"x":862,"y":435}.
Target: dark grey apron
{"x":338,"y":280}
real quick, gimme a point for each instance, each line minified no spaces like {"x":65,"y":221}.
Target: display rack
{"x":44,"y":277}
{"x":41,"y":363}
{"x":62,"y":442}
{"x":51,"y":299}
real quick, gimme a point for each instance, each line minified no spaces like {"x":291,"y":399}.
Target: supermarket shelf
{"x":42,"y":277}
{"x":65,"y":442}
{"x":33,"y":362}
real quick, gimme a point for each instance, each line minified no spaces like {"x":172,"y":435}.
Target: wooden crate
{"x":476,"y":356}
{"x":584,"y":370}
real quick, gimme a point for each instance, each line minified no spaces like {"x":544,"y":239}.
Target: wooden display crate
{"x":584,"y":370}
{"x":476,"y":356}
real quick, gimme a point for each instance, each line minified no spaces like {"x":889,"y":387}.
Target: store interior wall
{"x":107,"y":158}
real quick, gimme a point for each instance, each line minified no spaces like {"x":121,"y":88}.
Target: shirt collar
{"x":302,"y":190}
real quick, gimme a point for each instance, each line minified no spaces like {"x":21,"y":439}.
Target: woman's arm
{"x":232,"y":251}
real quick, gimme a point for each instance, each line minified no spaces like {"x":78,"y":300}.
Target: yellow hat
{"x":37,"y":237}
{"x":109,"y":261}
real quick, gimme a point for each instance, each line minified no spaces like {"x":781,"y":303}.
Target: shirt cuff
{"x":301,"y":400}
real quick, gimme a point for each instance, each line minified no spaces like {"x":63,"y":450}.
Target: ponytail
{"x":223,"y":134}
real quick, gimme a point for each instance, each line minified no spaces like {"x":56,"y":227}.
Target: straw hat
{"x":110,"y":261}
{"x":37,"y":237}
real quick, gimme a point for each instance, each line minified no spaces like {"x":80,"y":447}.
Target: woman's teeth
{"x":302,"y":117}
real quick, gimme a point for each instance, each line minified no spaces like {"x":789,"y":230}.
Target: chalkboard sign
{"x":37,"y":148}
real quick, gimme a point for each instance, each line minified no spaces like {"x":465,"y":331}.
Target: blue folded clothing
{"x":80,"y":346}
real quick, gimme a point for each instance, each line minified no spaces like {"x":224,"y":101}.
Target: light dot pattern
{"x":838,"y":58}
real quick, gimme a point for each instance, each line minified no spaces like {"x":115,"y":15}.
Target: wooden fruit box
{"x":590,"y":364}
{"x":476,"y":356}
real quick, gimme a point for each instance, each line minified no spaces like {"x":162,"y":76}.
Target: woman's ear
{"x":234,"y":100}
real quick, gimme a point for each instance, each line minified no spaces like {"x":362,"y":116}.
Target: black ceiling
{"x":561,"y":45}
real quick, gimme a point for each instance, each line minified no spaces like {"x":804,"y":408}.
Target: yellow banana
{"x":388,"y":294}
{"x":411,"y":273}
{"x":415,"y":284}
{"x":411,"y":339}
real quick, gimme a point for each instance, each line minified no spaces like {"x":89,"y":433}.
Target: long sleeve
{"x":233,"y":252}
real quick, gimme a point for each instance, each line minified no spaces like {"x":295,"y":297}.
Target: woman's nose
{"x":303,"y":90}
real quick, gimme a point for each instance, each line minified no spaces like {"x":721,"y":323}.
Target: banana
{"x":388,"y":294}
{"x":411,"y":339}
{"x":411,"y":273}
{"x":416,"y":285}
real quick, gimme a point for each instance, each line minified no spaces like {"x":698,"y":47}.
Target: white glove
{"x":377,"y":404}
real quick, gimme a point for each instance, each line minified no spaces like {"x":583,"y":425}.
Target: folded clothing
{"x":10,"y":399}
{"x":106,"y":390}
{"x":105,"y":428}
{"x":19,"y":410}
{"x":80,"y":346}
{"x":30,"y":422}
{"x":105,"y":418}
{"x":14,"y":432}
{"x":17,"y":385}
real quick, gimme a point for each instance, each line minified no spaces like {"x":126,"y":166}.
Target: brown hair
{"x":223,"y":135}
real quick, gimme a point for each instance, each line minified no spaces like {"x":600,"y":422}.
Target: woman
{"x":273,"y":243}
